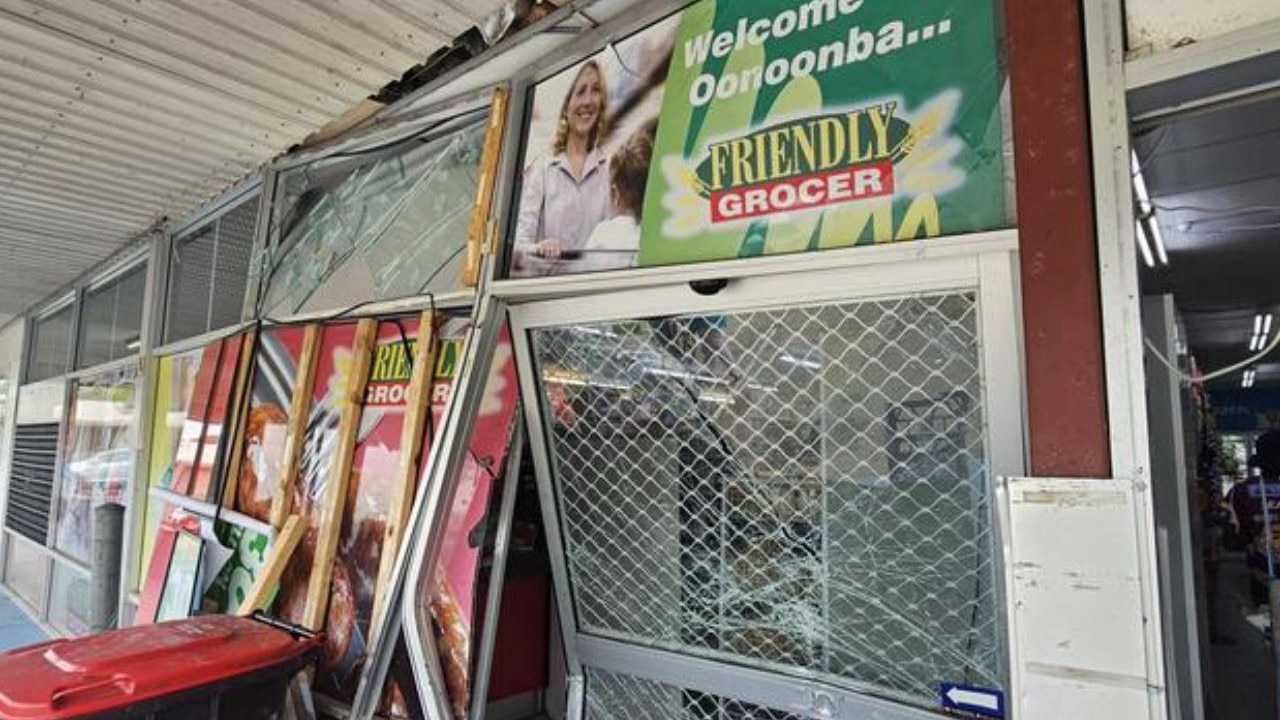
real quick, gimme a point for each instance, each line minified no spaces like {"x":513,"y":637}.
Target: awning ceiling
{"x":118,"y":114}
{"x":1215,"y":179}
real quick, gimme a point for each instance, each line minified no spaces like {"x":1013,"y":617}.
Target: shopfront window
{"x":111,"y":322}
{"x":803,"y":490}
{"x":98,"y":460}
{"x":51,"y":344}
{"x":175,"y":381}
{"x":375,"y":224}
{"x":208,"y":270}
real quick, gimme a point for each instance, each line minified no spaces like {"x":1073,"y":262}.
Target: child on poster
{"x":614,"y":243}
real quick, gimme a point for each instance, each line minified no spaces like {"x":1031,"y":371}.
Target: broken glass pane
{"x":376,"y":224}
{"x":802,"y":489}
{"x":613,"y":696}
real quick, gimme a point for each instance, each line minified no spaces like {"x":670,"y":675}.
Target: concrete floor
{"x":16,"y":627}
{"x":1242,"y":679}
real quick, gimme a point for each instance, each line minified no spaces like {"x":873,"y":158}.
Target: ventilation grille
{"x":35,"y":453}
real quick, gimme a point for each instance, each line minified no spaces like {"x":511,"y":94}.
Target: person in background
{"x":565,"y":196}
{"x":1249,"y":506}
{"x":614,"y":244}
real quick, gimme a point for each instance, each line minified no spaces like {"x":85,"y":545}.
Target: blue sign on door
{"x":968,"y":698}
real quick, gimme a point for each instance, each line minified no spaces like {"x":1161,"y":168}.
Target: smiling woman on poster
{"x":566,"y":195}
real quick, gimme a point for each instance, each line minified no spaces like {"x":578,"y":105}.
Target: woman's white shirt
{"x":554,"y":204}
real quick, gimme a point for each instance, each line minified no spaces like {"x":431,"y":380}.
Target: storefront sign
{"x":372,"y":485}
{"x":740,"y":129}
{"x":319,"y":448}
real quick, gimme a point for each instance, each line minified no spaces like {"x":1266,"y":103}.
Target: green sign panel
{"x":769,"y":126}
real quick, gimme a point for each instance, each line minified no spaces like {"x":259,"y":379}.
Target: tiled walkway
{"x":16,"y":629}
{"x":1241,"y":680}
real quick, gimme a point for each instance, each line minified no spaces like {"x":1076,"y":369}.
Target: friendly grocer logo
{"x":805,"y":163}
{"x":390,"y":372}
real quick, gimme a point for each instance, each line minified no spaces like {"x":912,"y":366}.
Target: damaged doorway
{"x":777,"y":501}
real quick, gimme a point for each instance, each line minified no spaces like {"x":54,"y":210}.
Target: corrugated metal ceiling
{"x":117,"y":113}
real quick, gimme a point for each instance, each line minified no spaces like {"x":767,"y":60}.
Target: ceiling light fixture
{"x":1140,"y":184}
{"x":1144,"y":246}
{"x":1147,"y":212}
{"x":1261,"y":332}
{"x":1158,"y":237}
{"x":1250,"y":376}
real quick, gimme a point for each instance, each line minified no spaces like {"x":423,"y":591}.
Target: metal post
{"x":497,"y":574}
{"x":1266,"y":528}
{"x":1273,"y":587}
{"x":108,"y":533}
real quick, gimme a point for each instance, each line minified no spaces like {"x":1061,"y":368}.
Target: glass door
{"x":776,"y":500}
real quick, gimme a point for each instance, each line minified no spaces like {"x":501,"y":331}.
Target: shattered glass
{"x":382,"y":223}
{"x":804,"y":490}
{"x":613,"y":696}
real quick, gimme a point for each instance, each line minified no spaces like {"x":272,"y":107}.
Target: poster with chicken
{"x":319,"y":445}
{"x":275,"y":372}
{"x":370,"y":491}
{"x":453,"y":597}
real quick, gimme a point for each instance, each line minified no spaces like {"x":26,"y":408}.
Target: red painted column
{"x":1062,"y":318}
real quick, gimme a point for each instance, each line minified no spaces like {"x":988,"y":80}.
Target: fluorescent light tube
{"x":1158,"y":237}
{"x":1144,"y":246}
{"x":1140,"y":184}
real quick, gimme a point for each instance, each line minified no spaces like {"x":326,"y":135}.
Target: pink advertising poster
{"x":453,"y":598}
{"x":374,"y":472}
{"x":333,"y":366}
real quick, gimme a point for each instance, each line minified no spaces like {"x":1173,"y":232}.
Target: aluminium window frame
{"x":385,"y":131}
{"x":256,"y":186}
{"x":67,"y":301}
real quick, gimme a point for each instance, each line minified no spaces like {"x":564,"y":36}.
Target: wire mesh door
{"x":804,"y":490}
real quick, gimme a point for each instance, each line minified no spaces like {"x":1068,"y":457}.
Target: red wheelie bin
{"x":212,"y":667}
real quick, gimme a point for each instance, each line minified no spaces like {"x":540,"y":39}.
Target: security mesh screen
{"x":191,"y":264}
{"x":111,"y":319}
{"x":208,"y":272}
{"x":611,"y":696}
{"x":801,"y":489}
{"x":236,"y":232}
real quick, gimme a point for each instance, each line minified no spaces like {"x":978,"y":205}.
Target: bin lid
{"x":114,"y":669}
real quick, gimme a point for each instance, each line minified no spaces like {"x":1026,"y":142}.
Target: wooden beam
{"x":418,"y":404}
{"x":489,"y":162}
{"x":299,"y":408}
{"x":269,"y":576}
{"x":243,"y":397}
{"x":334,"y":495}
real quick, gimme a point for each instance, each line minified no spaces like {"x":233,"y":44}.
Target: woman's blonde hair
{"x":602,"y":123}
